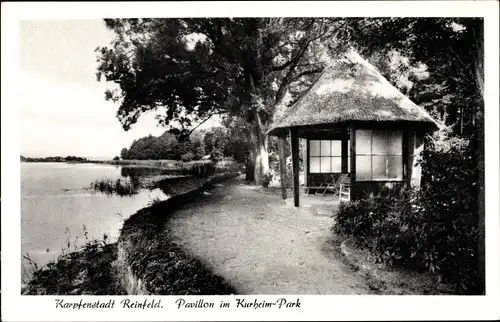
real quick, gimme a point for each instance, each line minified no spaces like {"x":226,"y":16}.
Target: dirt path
{"x":261,"y":245}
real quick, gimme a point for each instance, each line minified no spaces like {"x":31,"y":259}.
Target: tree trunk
{"x":249,"y":167}
{"x":479,"y":74}
{"x":259,"y":156}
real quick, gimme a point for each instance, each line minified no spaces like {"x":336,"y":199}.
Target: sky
{"x":62,"y":106}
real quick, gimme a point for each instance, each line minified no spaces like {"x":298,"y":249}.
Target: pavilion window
{"x":325,"y":156}
{"x":379,"y":155}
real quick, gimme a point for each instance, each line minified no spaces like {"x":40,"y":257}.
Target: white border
{"x":30,"y":308}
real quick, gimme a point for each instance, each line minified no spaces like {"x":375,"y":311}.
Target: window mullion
{"x":386,"y":155}
{"x":371,"y":156}
{"x":320,"y":157}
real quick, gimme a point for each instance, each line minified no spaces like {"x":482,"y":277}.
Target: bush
{"x":266,"y":180}
{"x":154,"y":257}
{"x":434,"y":228}
{"x":216,"y":155}
{"x":187,"y":157}
{"x":88,"y":270}
{"x":228,"y":165}
{"x":276,"y":172}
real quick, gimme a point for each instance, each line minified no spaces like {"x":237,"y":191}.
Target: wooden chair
{"x":326,"y":185}
{"x":314,"y":184}
{"x":334,"y":185}
{"x":345,"y":189}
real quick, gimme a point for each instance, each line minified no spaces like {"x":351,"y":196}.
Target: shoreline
{"x":52,"y":278}
{"x":198,"y":167}
{"x":147,"y":163}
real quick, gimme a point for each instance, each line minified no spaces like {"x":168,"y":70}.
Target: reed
{"x":121,"y":187}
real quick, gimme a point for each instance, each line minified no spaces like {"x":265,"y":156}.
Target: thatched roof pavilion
{"x":352,"y":95}
{"x":351,"y":89}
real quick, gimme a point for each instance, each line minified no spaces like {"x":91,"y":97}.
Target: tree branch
{"x":456,"y":57}
{"x":307,"y":72}
{"x":204,"y":120}
{"x":294,"y":60}
{"x":288,"y":78}
{"x":302,"y":49}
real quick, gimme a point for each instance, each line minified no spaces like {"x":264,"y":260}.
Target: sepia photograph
{"x":200,"y":156}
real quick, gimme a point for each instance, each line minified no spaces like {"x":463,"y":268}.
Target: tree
{"x":228,"y":140}
{"x":192,"y":69}
{"x":197,"y":145}
{"x":124,"y":154}
{"x":437,"y":62}
{"x":217,"y":140}
{"x":452,"y":52}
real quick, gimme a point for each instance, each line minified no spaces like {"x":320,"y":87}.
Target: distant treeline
{"x":69,"y":158}
{"x":215,"y":143}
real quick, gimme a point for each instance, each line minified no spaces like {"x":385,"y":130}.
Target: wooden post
{"x":352,"y":142}
{"x":305,"y":159}
{"x":345,"y":148}
{"x":295,"y":164}
{"x":409,"y":151}
{"x":281,"y":149}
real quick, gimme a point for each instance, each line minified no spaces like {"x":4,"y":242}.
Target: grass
{"x":121,"y":187}
{"x":194,"y":173}
{"x":175,"y":186}
{"x":163,"y":164}
{"x":88,"y":270}
{"x":149,"y":251}
{"x":167,"y":269}
{"x":164,"y":267}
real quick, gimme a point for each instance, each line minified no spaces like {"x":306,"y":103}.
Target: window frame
{"x":378,"y":154}
{"x":331,"y":156}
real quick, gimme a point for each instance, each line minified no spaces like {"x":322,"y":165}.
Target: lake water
{"x":56,"y":203}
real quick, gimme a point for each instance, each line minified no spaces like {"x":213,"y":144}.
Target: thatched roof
{"x":351,"y":89}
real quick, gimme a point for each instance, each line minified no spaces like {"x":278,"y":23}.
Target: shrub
{"x":266,"y":179}
{"x":216,"y":155}
{"x":202,"y":168}
{"x":88,"y":270}
{"x":275,"y":170}
{"x":434,"y":228}
{"x":227,"y":165}
{"x":187,"y":157}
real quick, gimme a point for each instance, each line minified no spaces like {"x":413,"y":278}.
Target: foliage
{"x":90,"y":269}
{"x":437,"y":62}
{"x":228,"y":165}
{"x":274,"y":160}
{"x":434,"y":228}
{"x":116,"y":158}
{"x":186,"y":157}
{"x":85,"y":271}
{"x":198,"y":67}
{"x":192,"y":69}
{"x":124,"y":153}
{"x":121,"y":187}
{"x":69,"y":158}
{"x":218,"y":142}
{"x":152,"y":254}
{"x":164,"y":147}
{"x":267,"y":180}
{"x":262,"y":66}
{"x":226,"y":142}
{"x":216,"y":155}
